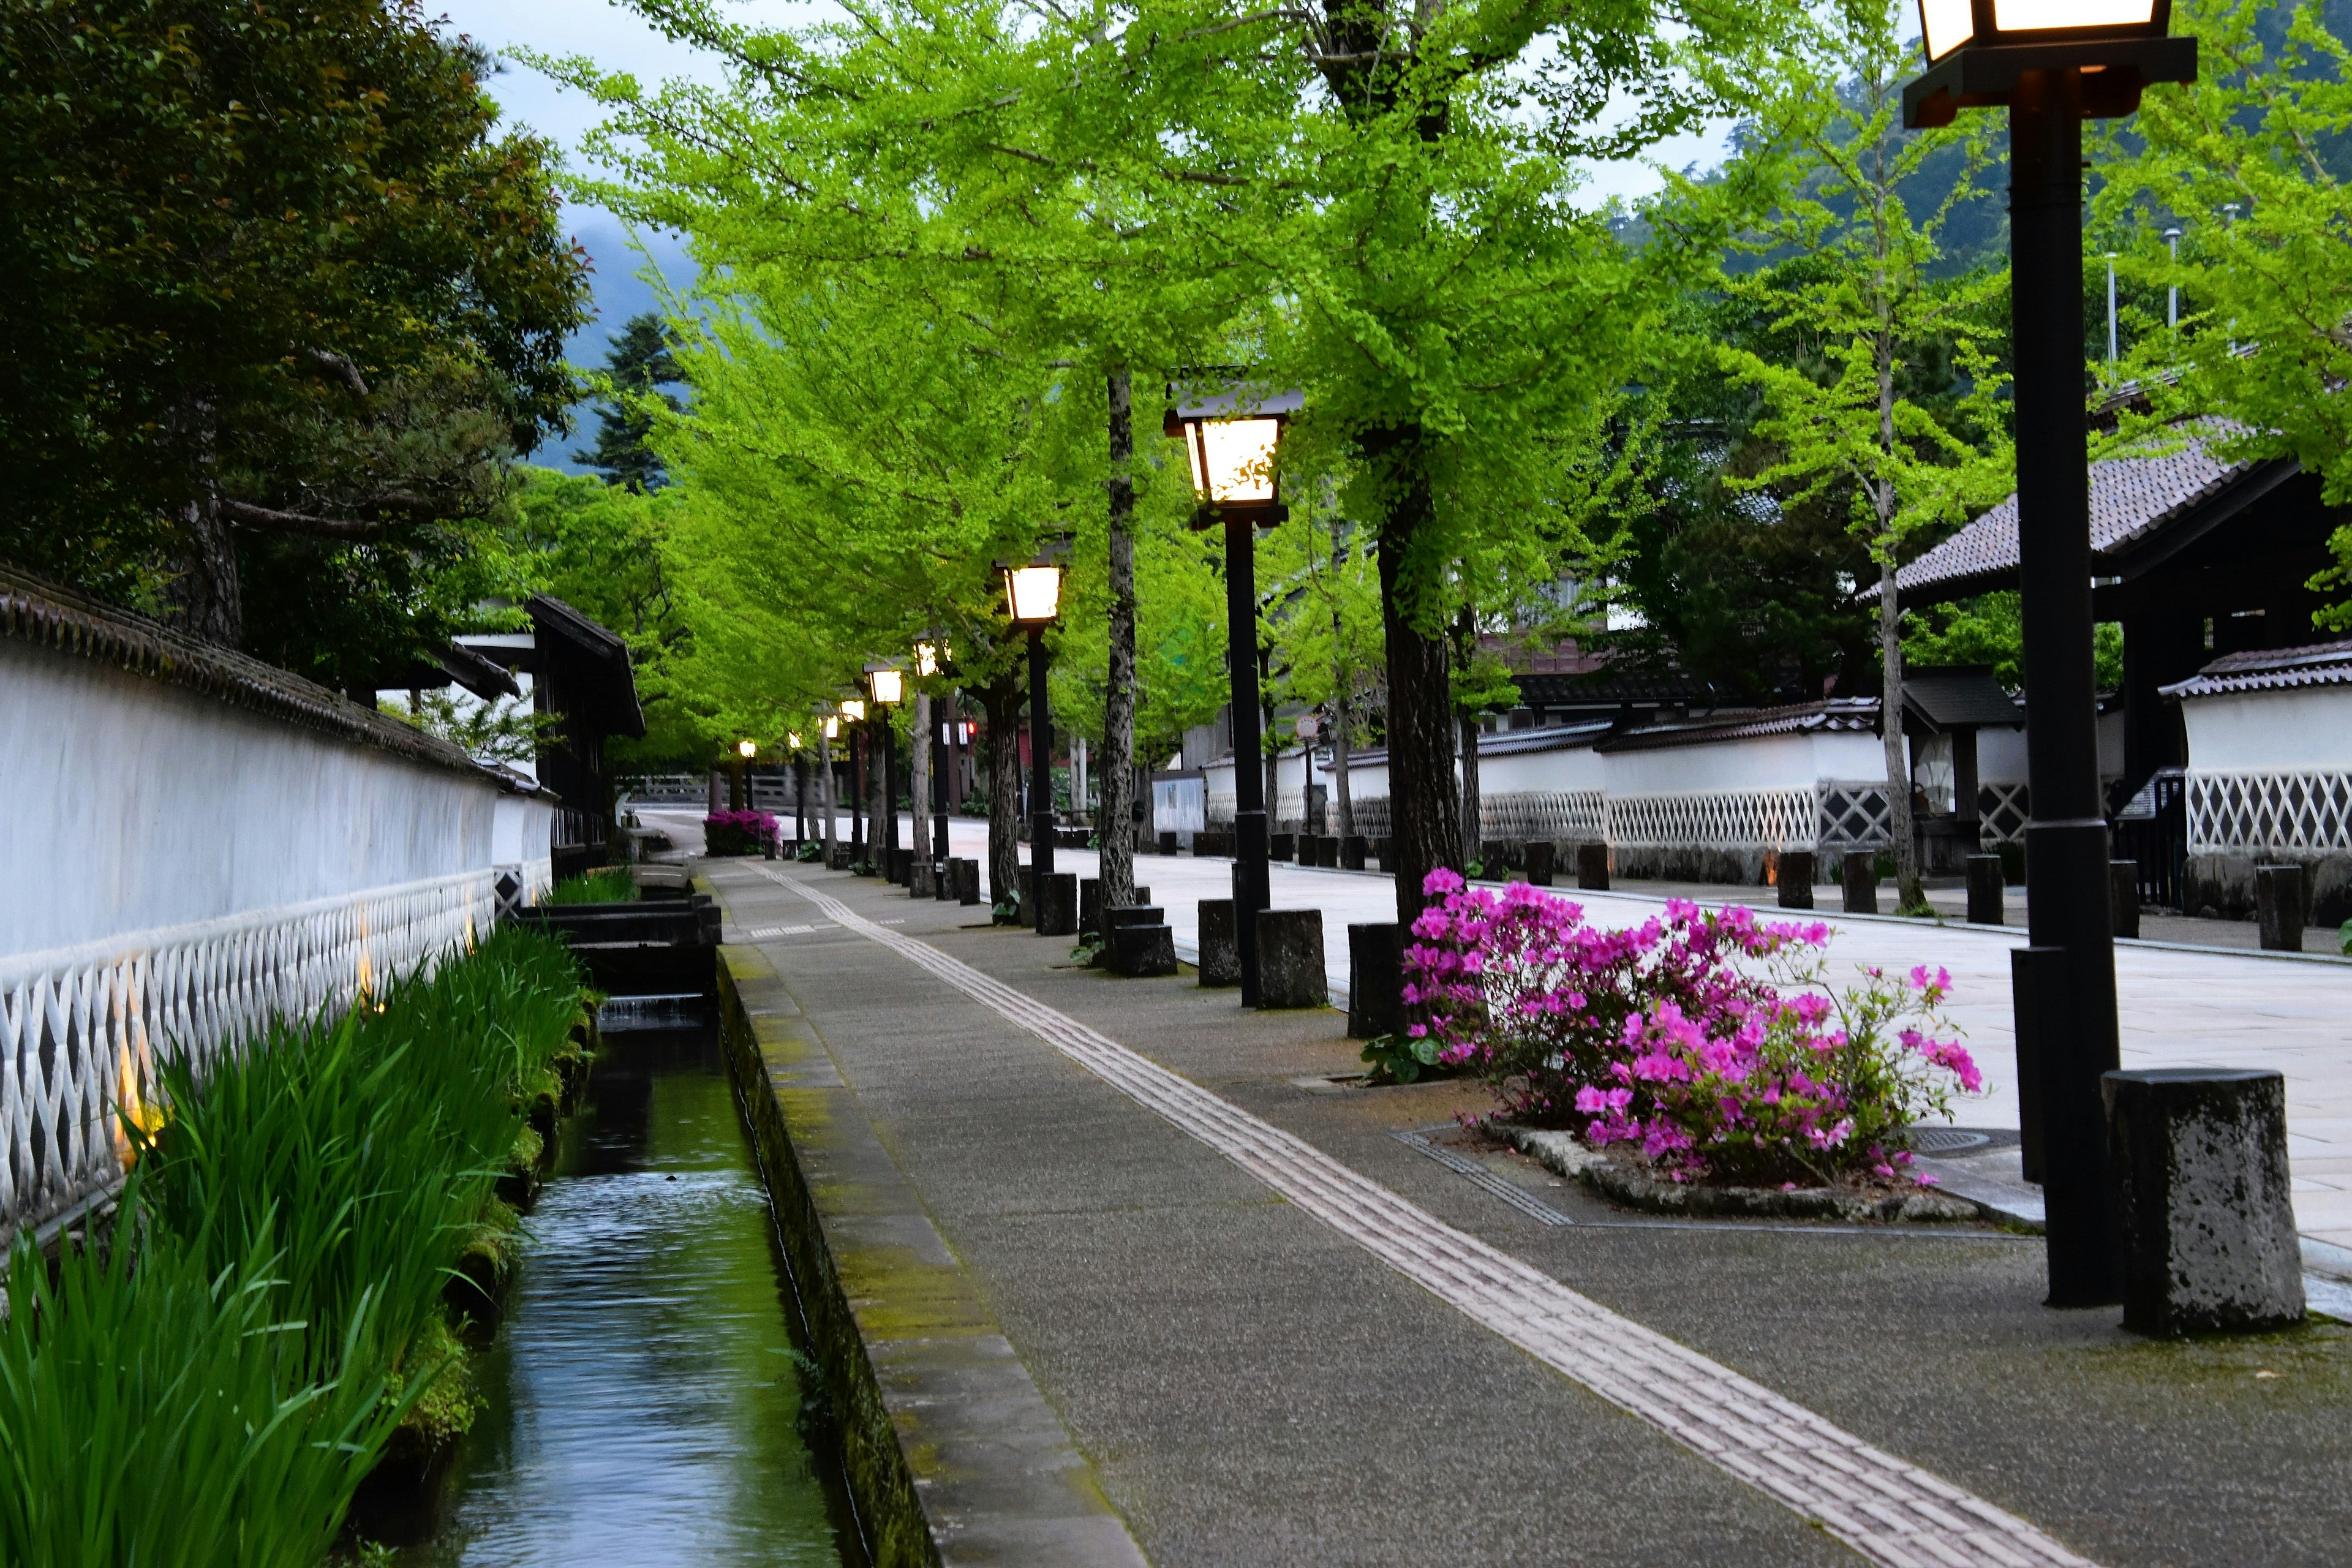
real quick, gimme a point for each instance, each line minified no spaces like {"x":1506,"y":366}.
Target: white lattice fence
{"x":1854,"y":813}
{"x":1570,"y":817}
{"x":2002,"y":810}
{"x":1715,"y":819}
{"x":1219,"y":810}
{"x":2274,"y":812}
{"x":80,"y":1027}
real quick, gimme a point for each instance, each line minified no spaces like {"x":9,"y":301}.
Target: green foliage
{"x":603,"y":550}
{"x":153,"y":1410}
{"x":612,"y":885}
{"x":1991,"y":629}
{"x":208,"y":1381}
{"x":1399,"y":1058}
{"x":2249,"y":162}
{"x":636,"y":367}
{"x":506,"y":731}
{"x":268,"y":269}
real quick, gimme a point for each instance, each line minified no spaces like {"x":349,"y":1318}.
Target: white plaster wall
{"x":1562,"y":770}
{"x":1765,"y":762}
{"x":522,"y":833}
{"x":131,"y":805}
{"x":2000,"y":755}
{"x":2304,"y":729}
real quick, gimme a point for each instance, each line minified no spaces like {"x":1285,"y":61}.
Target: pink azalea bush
{"x":738,"y":832}
{"x":1708,"y":1038}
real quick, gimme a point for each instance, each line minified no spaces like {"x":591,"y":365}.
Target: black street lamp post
{"x":887,"y":686}
{"x":1033,"y":594}
{"x":2055,"y":63}
{"x":1233,"y":441}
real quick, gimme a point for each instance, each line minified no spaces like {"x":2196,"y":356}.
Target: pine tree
{"x":638,"y":363}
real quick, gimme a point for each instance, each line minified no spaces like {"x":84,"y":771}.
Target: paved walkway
{"x":1284,"y":1334}
{"x":2179,"y":1007}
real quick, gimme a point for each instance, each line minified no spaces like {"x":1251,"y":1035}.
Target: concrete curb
{"x":953,"y":1457}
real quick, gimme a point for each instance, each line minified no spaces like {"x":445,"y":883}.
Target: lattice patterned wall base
{"x":2275,"y":813}
{"x":1726,"y":819}
{"x":80,"y":1028}
{"x":2001,"y":811}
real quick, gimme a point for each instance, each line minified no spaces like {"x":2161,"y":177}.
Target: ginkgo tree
{"x":1883,"y":383}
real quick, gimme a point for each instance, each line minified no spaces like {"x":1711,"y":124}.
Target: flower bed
{"x":1707,"y":1042}
{"x":738,"y":833}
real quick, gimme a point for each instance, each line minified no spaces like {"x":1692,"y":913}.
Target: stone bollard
{"x":1142,"y":951}
{"x":1304,"y":852}
{"x":1290,"y":958}
{"x":1221,"y":950}
{"x":1494,"y":859}
{"x":2035,"y":976}
{"x":967,"y":881}
{"x":841,"y":856}
{"x":1592,"y":868}
{"x":1327,"y":852}
{"x":1090,"y":906}
{"x":2123,"y":891}
{"x":1986,"y":885}
{"x":1353,"y":850}
{"x":902,"y":865}
{"x":1375,"y":980}
{"x":2199,"y":1157}
{"x":1860,"y":874}
{"x":1058,"y":897}
{"x":1539,"y":860}
{"x":1168,"y":845}
{"x":2278,"y":903}
{"x":1282,"y":846}
{"x":1792,"y":879}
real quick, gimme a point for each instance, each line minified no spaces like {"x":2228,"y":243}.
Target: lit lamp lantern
{"x":1979,"y":51}
{"x":2054,"y":64}
{"x":832,"y":728}
{"x":929,"y":657}
{"x":793,"y":741}
{"x":1233,"y":443}
{"x":1032,"y":598}
{"x":747,"y":750}
{"x":853,"y":709}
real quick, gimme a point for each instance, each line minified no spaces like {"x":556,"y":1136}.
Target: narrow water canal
{"x":645,"y":1406}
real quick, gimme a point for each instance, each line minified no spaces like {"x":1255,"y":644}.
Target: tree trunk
{"x":1910,"y":892}
{"x":1472,"y":822}
{"x":918,"y":795}
{"x":206,"y":597}
{"x":1342,"y":678}
{"x":824,"y":792}
{"x":1268,"y":743}
{"x":1002,"y":700}
{"x":1424,"y":822}
{"x":860,"y":828}
{"x":1116,"y":824}
{"x":880,"y":807}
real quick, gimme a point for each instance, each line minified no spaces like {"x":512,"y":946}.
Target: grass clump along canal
{"x":208,"y":1375}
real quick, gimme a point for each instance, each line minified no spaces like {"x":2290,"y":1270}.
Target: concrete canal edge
{"x":953,"y":1457}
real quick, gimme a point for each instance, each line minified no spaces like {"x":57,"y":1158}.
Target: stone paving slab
{"x":1249,"y":1393}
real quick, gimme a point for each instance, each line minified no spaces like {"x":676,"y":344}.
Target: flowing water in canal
{"x":645,"y":1402}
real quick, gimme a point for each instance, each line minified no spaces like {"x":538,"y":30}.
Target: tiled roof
{"x":35,"y":611}
{"x":1830,"y":715}
{"x":1956,"y":694}
{"x":2130,"y":497}
{"x":2270,"y":670}
{"x":1512,"y":742}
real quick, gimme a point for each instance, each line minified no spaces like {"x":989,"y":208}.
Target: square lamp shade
{"x":887,"y":685}
{"x":793,"y":741}
{"x":1945,"y":25}
{"x":832,"y":728}
{"x":746,"y":749}
{"x":1035,"y":593}
{"x":1232,"y":440}
{"x":927,"y":658}
{"x":853,"y":709}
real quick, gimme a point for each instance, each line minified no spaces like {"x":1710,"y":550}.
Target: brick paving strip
{"x":1889,"y":1511}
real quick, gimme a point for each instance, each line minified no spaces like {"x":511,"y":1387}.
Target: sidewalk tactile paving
{"x":1896,"y":1515}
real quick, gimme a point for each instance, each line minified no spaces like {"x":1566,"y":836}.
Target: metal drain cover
{"x":1947,"y":1140}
